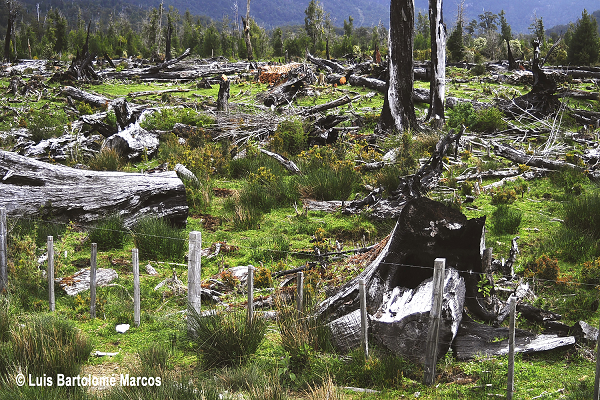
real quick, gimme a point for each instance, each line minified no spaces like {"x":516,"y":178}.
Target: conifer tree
{"x":584,"y":44}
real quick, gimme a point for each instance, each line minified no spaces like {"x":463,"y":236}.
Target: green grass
{"x":280,"y":239}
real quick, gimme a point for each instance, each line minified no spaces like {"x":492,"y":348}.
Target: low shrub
{"x":109,"y":233}
{"x":106,"y":160}
{"x":154,"y":360}
{"x":570,"y":180}
{"x":506,"y":219}
{"x":503,"y":195}
{"x":157,"y":239}
{"x":46,"y":125}
{"x":329,"y":182}
{"x":166,"y":118}
{"x":48,"y":228}
{"x":263,"y":278}
{"x":381,"y":370}
{"x":461,"y":114}
{"x":289,"y":138}
{"x":590,"y":272}
{"x":489,"y":120}
{"x":226,"y":338}
{"x":543,"y":267}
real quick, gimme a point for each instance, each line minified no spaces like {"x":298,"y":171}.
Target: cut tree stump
{"x":38,"y":189}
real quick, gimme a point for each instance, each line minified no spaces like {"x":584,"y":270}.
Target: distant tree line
{"x":123,"y":34}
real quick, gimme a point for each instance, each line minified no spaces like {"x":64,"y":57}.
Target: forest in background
{"x":121,"y":30}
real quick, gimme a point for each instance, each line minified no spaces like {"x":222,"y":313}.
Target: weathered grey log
{"x":81,"y":95}
{"x":287,"y":164}
{"x":133,"y":95}
{"x":133,"y":143}
{"x":474,"y":339}
{"x":168,"y":63}
{"x":402,"y":322}
{"x":61,"y":148}
{"x":536,"y":314}
{"x":520,"y":157}
{"x":123,"y":112}
{"x":579,"y":94}
{"x":286,"y":92}
{"x":34,"y":188}
{"x":329,"y":105}
{"x":80,"y":281}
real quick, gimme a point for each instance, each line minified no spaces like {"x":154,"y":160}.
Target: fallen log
{"x":133,"y":143}
{"x":38,"y":189}
{"x":474,"y":339}
{"x":328,"y":65}
{"x":286,"y":92}
{"x":167,"y":63}
{"x":520,"y":157}
{"x":133,"y":95}
{"x":90,"y":98}
{"x":329,"y":105}
{"x":287,"y":164}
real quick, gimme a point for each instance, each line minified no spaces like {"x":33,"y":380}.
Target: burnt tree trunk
{"x":438,"y":63}
{"x":398,"y":111}
{"x":246,"y":22}
{"x":168,"y":55}
{"x":512,"y":64}
{"x":12,"y":14}
{"x":35,"y":188}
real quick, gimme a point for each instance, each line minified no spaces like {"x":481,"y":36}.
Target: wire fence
{"x":365,"y":330}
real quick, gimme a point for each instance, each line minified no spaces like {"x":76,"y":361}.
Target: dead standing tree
{"x":246,"y":22}
{"x":438,"y":62}
{"x":398,"y":111}
{"x":12,"y":15}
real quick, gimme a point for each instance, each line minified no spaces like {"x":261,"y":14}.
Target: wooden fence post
{"x":431,"y":349}
{"x":194,"y":275}
{"x":300,"y":291}
{"x":511,"y":349}
{"x":250,"y":284}
{"x":597,"y":379}
{"x":3,"y":250}
{"x":136,"y":286}
{"x":364,"y":322}
{"x":93,"y":265}
{"x":51,"y":273}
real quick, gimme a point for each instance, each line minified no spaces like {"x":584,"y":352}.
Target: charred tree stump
{"x":398,"y":111}
{"x":34,"y":188}
{"x":223,"y":96}
{"x":512,"y":64}
{"x":438,"y":62}
{"x":425,"y":231}
{"x":542,"y":100}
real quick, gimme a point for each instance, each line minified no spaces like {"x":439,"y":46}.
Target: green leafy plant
{"x":46,"y":125}
{"x":462,"y":114}
{"x":590,"y":272}
{"x":489,"y":120}
{"x":165,"y":119}
{"x":289,"y":138}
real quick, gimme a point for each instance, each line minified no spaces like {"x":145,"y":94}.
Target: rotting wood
{"x":520,"y":157}
{"x":35,"y":188}
{"x":81,"y":95}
